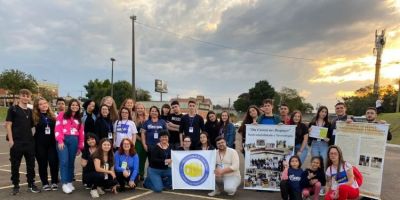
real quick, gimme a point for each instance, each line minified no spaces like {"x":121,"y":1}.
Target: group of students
{"x":113,"y":153}
{"x":299,"y":184}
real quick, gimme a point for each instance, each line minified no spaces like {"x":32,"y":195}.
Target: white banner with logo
{"x":266,"y":148}
{"x":193,"y":170}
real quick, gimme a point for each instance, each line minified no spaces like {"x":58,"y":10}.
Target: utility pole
{"x":380,"y":41}
{"x":229,"y":105}
{"x":133,"y":18}
{"x":112,"y":77}
{"x":398,"y":98}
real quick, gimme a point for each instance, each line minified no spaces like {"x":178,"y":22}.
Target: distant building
{"x":51,"y":87}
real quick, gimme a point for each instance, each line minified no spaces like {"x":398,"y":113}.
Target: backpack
{"x":358,"y":176}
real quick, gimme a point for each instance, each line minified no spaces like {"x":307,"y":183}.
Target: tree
{"x":262,"y":90}
{"x":47,"y":94}
{"x":14,"y":80}
{"x":294,"y":101}
{"x":364,"y":98}
{"x":98,"y":89}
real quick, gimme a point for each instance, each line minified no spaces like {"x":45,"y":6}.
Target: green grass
{"x":3,"y":113}
{"x":394,"y":120}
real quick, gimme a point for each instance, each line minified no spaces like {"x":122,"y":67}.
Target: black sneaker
{"x":15,"y":190}
{"x":33,"y":188}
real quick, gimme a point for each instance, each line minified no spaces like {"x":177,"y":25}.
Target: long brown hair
{"x":132,"y":150}
{"x":341,"y":160}
{"x":223,"y":124}
{"x":133,"y":108}
{"x":99,"y":153}
{"x":37,"y":113}
{"x":248,"y":119}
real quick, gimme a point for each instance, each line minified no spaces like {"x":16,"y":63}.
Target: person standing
{"x":250,"y":117}
{"x":151,"y":129}
{"x":319,"y":146}
{"x":284,"y":112}
{"x":60,"y":103}
{"x":103,"y":126}
{"x":70,"y":141}
{"x":191,"y":124}
{"x":130,"y":104}
{"x":268,"y":117}
{"x":46,"y":150}
{"x":89,"y":116}
{"x":212,"y":126}
{"x":21,"y":142}
{"x":340,"y":109}
{"x":124,"y":128}
{"x":379,"y":105}
{"x":140,"y":118}
{"x":227,"y":129}
{"x":174,"y":123}
{"x":371,"y":114}
{"x":301,"y":138}
{"x":227,"y":174}
{"x":109,"y":101}
{"x":165,"y":111}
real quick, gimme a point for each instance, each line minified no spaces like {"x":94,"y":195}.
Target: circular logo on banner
{"x":194,"y":169}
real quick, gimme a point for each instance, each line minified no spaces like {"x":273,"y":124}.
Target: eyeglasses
{"x":125,"y":112}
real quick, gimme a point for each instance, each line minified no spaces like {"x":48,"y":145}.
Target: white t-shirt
{"x":342,"y":177}
{"x":123,"y":129}
{"x":378,"y":103}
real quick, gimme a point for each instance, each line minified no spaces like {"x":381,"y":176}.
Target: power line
{"x":224,"y":46}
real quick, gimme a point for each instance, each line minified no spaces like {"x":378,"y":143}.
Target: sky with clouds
{"x":70,"y":42}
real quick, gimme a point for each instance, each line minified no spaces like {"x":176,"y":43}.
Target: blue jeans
{"x":319,"y":148}
{"x":66,"y":157}
{"x":304,"y":153}
{"x":158,"y":179}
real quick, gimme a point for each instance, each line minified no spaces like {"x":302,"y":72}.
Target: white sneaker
{"x":94,"y":193}
{"x":231,"y":194}
{"x":322,"y":192}
{"x":213,"y":193}
{"x":100,"y":191}
{"x":71,"y":186}
{"x":66,"y":189}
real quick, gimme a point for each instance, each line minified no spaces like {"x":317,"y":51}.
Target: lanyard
{"x":124,"y":125}
{"x":46,"y":119}
{"x":191,"y":119}
{"x":221,"y":157}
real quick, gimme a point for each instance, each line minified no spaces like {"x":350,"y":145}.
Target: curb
{"x":393,"y":145}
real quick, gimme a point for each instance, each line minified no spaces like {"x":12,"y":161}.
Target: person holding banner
{"x":341,"y":184}
{"x":250,"y":117}
{"x":159,"y":174}
{"x":227,"y":173}
{"x":301,"y":139}
{"x":126,"y":165}
{"x":371,"y":114}
{"x":340,"y":110}
{"x":319,"y":145}
{"x":268,"y":117}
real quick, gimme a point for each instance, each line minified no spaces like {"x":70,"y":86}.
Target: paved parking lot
{"x":391,"y":182}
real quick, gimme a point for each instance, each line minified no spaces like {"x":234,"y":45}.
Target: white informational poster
{"x":267,"y":146}
{"x":193,"y":170}
{"x":364,"y":146}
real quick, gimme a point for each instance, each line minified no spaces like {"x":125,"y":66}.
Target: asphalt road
{"x":391,"y":182}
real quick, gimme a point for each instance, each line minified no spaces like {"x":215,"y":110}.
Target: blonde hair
{"x":113,"y":108}
{"x":136,"y":117}
{"x":36,"y":111}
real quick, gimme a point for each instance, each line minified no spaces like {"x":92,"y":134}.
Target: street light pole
{"x":133,"y":18}
{"x":112,"y":77}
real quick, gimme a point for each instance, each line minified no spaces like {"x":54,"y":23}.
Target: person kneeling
{"x":227,"y":169}
{"x":103,"y":175}
{"x":159,"y":173}
{"x":126,"y":165}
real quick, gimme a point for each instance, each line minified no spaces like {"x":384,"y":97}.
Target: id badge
{"x":124,"y":165}
{"x":334,"y":132}
{"x":73,"y":131}
{"x":155,"y":135}
{"x":110,"y":135}
{"x":220,"y":165}
{"x":47,"y":130}
{"x":191,"y":129}
{"x":334,"y":185}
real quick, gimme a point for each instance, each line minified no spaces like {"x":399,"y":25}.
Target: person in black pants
{"x":46,"y":152}
{"x":20,"y":139}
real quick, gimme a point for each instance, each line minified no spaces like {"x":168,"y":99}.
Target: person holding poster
{"x":301,"y":139}
{"x":340,"y":110}
{"x":371,"y":114}
{"x":319,"y":145}
{"x":227,"y":169}
{"x":268,"y":118}
{"x":250,"y":118}
{"x":341,"y":184}
{"x":159,"y":174}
